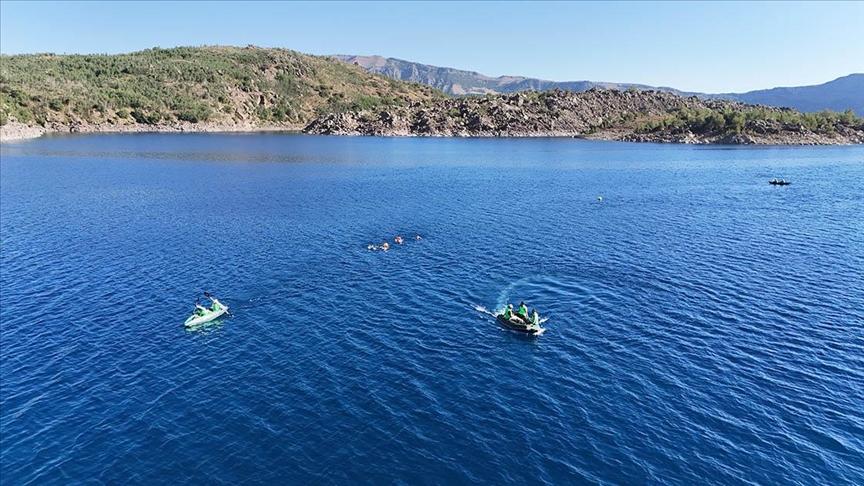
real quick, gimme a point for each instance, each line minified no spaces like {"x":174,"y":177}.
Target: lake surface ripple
{"x":704,"y":327}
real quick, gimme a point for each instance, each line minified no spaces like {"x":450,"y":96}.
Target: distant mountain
{"x":458,"y":82}
{"x":846,"y":93}
{"x":839,"y":95}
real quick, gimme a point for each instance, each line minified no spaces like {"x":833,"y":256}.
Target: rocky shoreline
{"x":596,"y":114}
{"x":13,"y":131}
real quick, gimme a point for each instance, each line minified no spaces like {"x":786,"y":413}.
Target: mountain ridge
{"x":841,"y":94}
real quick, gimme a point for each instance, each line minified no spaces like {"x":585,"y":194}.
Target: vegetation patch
{"x":753,"y":121}
{"x":191,"y":84}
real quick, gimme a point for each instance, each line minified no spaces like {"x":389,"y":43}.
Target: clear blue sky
{"x":695,"y":46}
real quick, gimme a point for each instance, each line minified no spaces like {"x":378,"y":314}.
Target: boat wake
{"x":483,"y":310}
{"x":207,"y":327}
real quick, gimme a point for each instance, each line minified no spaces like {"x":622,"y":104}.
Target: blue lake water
{"x":703,"y":326}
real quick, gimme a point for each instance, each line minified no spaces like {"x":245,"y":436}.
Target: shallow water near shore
{"x":703,"y":326}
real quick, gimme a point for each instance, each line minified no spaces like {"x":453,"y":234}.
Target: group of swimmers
{"x":522,"y":314}
{"x":386,"y":246}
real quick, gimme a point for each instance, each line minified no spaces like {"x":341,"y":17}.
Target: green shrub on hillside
{"x":731,"y":121}
{"x":193,"y":84}
{"x":146,"y":118}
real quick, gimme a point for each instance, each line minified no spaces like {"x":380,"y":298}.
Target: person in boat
{"x":523,"y":312}
{"x":508,"y":312}
{"x":535,"y":319}
{"x":200,"y":311}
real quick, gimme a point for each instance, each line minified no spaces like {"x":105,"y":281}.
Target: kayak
{"x":203,"y":314}
{"x":517,"y":324}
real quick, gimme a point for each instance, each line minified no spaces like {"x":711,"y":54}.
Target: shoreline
{"x":15,"y":131}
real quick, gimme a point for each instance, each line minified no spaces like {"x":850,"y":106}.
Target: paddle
{"x":228,"y":312}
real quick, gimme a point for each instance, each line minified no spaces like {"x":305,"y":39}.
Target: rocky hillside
{"x":190,"y":86}
{"x":652,"y":116}
{"x":251,"y":88}
{"x":846,"y":93}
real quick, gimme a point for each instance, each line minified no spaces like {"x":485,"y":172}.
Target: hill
{"x":839,"y":95}
{"x":217,"y":86}
{"x":632,"y":115}
{"x":252,"y":88}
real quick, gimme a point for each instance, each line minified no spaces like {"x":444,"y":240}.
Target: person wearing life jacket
{"x":508,"y":311}
{"x":523,"y":311}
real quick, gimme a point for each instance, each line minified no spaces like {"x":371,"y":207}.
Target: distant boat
{"x":780,"y":182}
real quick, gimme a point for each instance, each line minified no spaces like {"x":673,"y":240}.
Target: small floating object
{"x":418,"y":238}
{"x":399,"y":240}
{"x":779,"y":182}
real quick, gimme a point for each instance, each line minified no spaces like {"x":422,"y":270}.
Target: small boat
{"x":517,"y":324}
{"x":203,"y":314}
{"x":780,"y":182}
